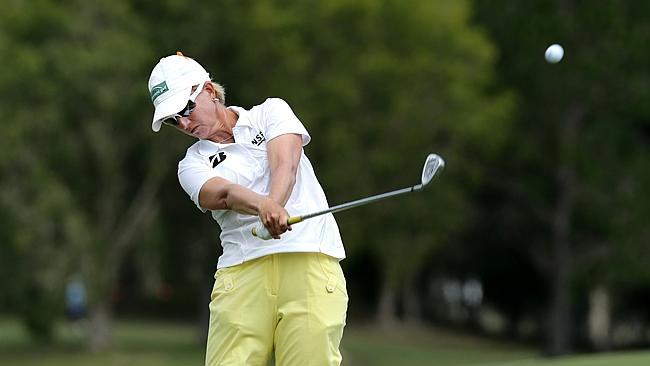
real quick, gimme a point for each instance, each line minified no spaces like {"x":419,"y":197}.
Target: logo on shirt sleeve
{"x":259,"y":138}
{"x":216,"y":159}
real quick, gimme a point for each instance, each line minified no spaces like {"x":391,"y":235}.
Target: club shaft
{"x":360,"y":202}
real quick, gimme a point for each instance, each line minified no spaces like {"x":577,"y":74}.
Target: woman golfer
{"x":285,"y":296}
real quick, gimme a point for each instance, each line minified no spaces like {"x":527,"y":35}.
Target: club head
{"x":432,"y":166}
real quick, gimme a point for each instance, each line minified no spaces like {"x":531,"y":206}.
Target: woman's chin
{"x":200,"y":132}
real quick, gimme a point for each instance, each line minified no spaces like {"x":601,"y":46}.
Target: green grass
{"x":416,"y":346}
{"x":149,"y":344}
{"x":136,"y":343}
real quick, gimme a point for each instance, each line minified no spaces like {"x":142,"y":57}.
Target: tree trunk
{"x":560,"y":321}
{"x":386,"y":309}
{"x":412,"y":305}
{"x":105,"y":272}
{"x":100,"y":337}
{"x":560,"y":318}
{"x":559,"y":334}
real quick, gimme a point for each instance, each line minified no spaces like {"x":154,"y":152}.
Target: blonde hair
{"x":221,"y":92}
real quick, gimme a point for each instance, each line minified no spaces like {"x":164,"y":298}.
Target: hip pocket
{"x":224,"y":281}
{"x":335,"y":279}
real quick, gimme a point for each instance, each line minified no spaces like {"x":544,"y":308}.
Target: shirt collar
{"x":207,"y":147}
{"x":243,"y":120}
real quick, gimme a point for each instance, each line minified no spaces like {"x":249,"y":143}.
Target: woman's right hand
{"x":274,"y":217}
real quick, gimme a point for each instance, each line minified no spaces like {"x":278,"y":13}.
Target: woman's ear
{"x":210,"y":88}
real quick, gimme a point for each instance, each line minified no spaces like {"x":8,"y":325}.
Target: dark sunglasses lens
{"x":170,"y":121}
{"x":188,"y":109}
{"x":173,"y":121}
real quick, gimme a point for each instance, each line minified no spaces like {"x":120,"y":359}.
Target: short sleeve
{"x":279,"y":120}
{"x":192,"y":175}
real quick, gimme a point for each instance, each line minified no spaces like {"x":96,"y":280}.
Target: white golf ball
{"x":554,"y":53}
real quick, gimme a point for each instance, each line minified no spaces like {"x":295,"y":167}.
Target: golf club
{"x":432,"y":166}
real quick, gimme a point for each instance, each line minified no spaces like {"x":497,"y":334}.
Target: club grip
{"x":261,"y":232}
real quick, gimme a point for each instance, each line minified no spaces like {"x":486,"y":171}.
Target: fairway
{"x":154,"y":343}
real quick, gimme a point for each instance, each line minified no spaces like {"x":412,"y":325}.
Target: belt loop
{"x":330,"y":285}
{"x":331,"y":279}
{"x":227,"y":283}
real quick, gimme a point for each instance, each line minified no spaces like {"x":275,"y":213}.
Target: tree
{"x":588,"y":107}
{"x":376,"y":99}
{"x":79,"y":172}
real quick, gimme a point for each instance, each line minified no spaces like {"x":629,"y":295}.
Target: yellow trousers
{"x":292,"y":304}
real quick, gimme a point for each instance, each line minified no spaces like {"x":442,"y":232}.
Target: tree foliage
{"x":545,"y":163}
{"x":581,"y":143}
{"x":76,"y":175}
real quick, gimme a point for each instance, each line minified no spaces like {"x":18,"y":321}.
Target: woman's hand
{"x":274,"y":217}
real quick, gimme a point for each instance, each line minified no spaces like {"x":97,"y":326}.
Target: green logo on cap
{"x":157,"y":90}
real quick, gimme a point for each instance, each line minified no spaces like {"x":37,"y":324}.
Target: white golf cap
{"x":170,"y":85}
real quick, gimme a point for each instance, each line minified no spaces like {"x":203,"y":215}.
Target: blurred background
{"x":533,"y":243}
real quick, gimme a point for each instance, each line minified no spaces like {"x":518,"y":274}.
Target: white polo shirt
{"x":245,"y":162}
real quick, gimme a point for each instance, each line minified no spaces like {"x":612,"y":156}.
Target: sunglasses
{"x":175,"y":119}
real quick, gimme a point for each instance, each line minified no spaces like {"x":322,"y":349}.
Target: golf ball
{"x":554,"y":53}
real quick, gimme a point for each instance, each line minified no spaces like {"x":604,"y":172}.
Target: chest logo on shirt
{"x":216,"y":159}
{"x":259,"y":138}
